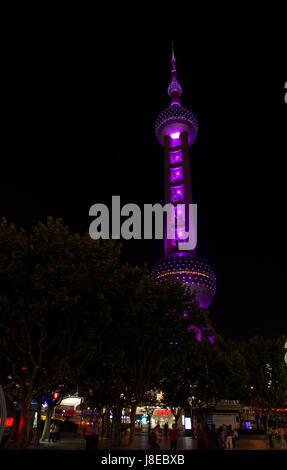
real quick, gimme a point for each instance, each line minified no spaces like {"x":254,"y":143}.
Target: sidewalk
{"x":75,"y":442}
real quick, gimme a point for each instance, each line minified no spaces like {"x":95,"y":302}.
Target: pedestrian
{"x":221,"y":438}
{"x":201,"y":436}
{"x":153,"y":441}
{"x":172,"y":437}
{"x":166,"y":429}
{"x":282,"y":439}
{"x":96,"y":434}
{"x":89,"y":436}
{"x":235,"y":438}
{"x":158,"y":431}
{"x":270,"y":436}
{"x":52,"y":432}
{"x":56,"y":433}
{"x":276,"y":436}
{"x":212,"y":439}
{"x":229,"y":434}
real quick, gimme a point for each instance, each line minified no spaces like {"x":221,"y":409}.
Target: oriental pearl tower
{"x":176,"y":129}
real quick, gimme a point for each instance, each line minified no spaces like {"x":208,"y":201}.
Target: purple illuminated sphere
{"x":174,"y":119}
{"x":191,"y":270}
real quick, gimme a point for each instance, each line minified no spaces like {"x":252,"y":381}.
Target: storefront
{"x":146,"y":418}
{"x":161,"y":416}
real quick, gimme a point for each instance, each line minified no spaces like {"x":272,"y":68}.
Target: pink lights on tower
{"x":176,"y":174}
{"x":175,"y":135}
{"x":175,"y":157}
{"x":176,"y":129}
{"x":177,"y":193}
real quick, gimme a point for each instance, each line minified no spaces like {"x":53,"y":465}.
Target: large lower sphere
{"x":191,"y":270}
{"x":176,"y":119}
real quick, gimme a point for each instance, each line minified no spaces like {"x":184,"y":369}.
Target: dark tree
{"x":52,"y":283}
{"x":267,"y":384}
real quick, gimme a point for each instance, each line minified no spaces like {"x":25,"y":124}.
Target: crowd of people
{"x":278,"y":435}
{"x":210,"y":438}
{"x":156,"y":436}
{"x":91,"y":434}
{"x":207,"y":437}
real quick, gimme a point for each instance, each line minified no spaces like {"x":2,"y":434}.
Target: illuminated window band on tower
{"x":176,"y":129}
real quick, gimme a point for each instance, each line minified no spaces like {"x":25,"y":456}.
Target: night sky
{"x":81,"y":129}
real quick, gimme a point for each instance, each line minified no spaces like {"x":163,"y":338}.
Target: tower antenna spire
{"x":172,"y":50}
{"x":174,"y":89}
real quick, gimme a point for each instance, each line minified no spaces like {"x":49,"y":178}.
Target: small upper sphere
{"x":175,"y":119}
{"x":174,"y":87}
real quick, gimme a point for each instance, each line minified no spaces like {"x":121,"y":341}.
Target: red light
{"x":56,"y":395}
{"x":8,"y":422}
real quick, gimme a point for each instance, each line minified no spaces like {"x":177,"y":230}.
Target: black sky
{"x":81,"y":129}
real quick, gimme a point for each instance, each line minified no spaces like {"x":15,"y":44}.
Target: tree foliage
{"x":267,"y":384}
{"x":205,"y":373}
{"x":52,"y":283}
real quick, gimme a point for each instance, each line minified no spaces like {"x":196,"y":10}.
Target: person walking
{"x":212,"y":439}
{"x":52,"y":432}
{"x":235,"y":438}
{"x":89,"y":437}
{"x":96,"y":434}
{"x":166,"y":429}
{"x":201,"y":436}
{"x":221,"y":438}
{"x":282,"y":437}
{"x":270,"y":436}
{"x":172,"y":437}
{"x":153,"y":441}
{"x":56,"y":433}
{"x":229,"y":433}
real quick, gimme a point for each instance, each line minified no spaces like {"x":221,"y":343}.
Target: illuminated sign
{"x":163,"y":412}
{"x":187,"y":423}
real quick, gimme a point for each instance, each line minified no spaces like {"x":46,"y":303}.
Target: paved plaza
{"x":74,"y":441}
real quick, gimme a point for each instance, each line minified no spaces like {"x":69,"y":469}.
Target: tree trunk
{"x":149,"y":423}
{"x":117,"y":421}
{"x":106,"y":421}
{"x":202,"y":416}
{"x":177,"y":416}
{"x":38,"y":432}
{"x":22,"y":431}
{"x":267,"y":416}
{"x":46,"y":430}
{"x":276,"y":419}
{"x":132,"y":428}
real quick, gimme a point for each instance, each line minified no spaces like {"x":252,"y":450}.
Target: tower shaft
{"x":177,"y":186}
